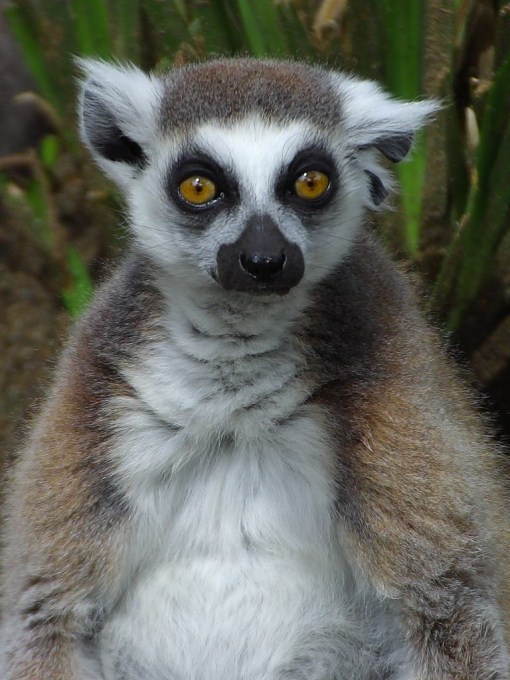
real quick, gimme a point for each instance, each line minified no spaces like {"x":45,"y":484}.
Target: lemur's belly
{"x":234,"y":569}
{"x":252,"y":618}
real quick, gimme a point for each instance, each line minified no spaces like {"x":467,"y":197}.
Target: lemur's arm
{"x":419,"y":496}
{"x":413,"y":485}
{"x":64,"y":526}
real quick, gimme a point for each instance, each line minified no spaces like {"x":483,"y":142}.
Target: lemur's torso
{"x":226,"y":463}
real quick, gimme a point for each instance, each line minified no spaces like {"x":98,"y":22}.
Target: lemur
{"x":256,"y":461}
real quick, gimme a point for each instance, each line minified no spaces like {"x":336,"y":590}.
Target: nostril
{"x":263,"y":267}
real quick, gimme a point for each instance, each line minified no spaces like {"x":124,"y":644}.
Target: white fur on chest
{"x":239,"y":569}
{"x":238,"y":572}
{"x":234,"y":564}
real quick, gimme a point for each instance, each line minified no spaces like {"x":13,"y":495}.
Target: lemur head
{"x":251,"y":175}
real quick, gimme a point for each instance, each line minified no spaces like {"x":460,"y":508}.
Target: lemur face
{"x":255,"y":190}
{"x":252,"y":176}
{"x":255,"y":206}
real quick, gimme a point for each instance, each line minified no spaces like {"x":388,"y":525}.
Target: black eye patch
{"x":200,"y":165}
{"x":310,"y":159}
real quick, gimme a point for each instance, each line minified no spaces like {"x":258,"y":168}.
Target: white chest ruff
{"x":238,"y":572}
{"x":234,"y":564}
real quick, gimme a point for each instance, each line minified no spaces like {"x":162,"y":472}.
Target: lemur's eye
{"x":311,"y":185}
{"x":197,"y":190}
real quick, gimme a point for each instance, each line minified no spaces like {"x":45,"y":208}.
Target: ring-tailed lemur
{"x":256,"y":462}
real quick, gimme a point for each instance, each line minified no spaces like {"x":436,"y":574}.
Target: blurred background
{"x":61,"y":222}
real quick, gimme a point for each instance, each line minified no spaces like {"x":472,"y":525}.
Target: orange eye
{"x":197,"y":190}
{"x":311,"y":184}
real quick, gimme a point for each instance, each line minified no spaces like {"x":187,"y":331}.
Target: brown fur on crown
{"x":279,"y":90}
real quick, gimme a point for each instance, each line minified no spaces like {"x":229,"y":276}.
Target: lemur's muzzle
{"x":261,"y":261}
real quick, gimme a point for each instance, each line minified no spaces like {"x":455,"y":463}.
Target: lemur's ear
{"x":375,"y":122}
{"x":118,"y":114}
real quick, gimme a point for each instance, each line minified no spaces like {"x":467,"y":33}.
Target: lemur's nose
{"x":261,"y":261}
{"x":263,"y":266}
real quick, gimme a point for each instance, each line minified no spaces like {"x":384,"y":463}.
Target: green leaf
{"x":49,"y":148}
{"x":23,"y":23}
{"x":486,"y":215}
{"x":411,"y":177}
{"x":125,"y":17}
{"x":167,"y":24}
{"x":77,"y":296}
{"x":36,"y":200}
{"x":297,"y":41}
{"x":262,"y":28}
{"x":91,"y":28}
{"x":402,"y":24}
{"x":213,"y":26}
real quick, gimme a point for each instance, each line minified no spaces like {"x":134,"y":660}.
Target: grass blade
{"x":125,"y":17}
{"x":91,"y":28}
{"x":486,"y":217}
{"x":166,"y":29}
{"x":262,"y":28}
{"x":402,"y":23}
{"x":23,"y":23}
{"x":213,"y":27}
{"x":79,"y":292}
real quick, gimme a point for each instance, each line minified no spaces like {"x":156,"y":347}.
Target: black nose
{"x":261,"y":261}
{"x":263,"y":266}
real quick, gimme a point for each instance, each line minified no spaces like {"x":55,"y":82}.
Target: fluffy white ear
{"x":118,"y":116}
{"x":374,"y":121}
